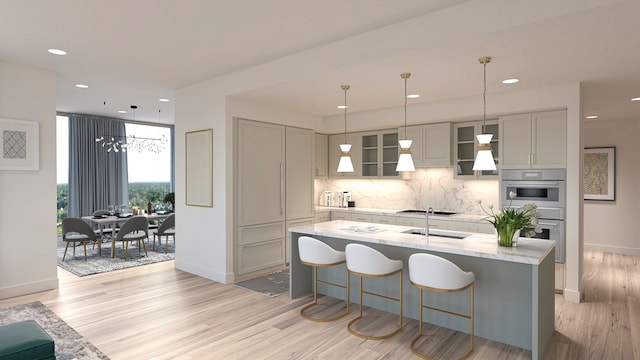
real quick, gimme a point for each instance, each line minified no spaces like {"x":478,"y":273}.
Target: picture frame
{"x":600,"y":173}
{"x":199,"y":168}
{"x":19,"y":145}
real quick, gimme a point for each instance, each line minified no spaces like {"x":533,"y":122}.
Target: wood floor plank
{"x":158,"y":312}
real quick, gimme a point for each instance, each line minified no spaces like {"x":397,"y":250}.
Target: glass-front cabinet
{"x":466,"y":146}
{"x":380,"y":154}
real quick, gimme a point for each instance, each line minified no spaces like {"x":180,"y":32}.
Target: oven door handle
{"x":536,"y":184}
{"x":548,"y":224}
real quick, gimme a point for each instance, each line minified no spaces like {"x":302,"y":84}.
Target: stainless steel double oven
{"x":546,"y":188}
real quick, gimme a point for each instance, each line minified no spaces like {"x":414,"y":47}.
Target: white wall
{"x":611,"y":226}
{"x":27,"y":198}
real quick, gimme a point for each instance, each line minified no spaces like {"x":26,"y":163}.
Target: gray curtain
{"x":97,"y":178}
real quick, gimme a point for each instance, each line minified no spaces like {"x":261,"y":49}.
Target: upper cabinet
{"x":373,"y":154}
{"x":431,"y":145}
{"x":380,"y":154}
{"x":321,"y":163}
{"x":534,"y":140}
{"x":466,"y":147}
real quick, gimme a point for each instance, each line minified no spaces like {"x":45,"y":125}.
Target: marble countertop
{"x":393,"y":212}
{"x":528,"y":251}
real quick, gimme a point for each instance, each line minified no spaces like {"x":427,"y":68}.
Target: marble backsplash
{"x":435,"y":187}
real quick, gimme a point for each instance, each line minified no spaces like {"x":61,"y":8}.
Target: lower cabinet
{"x":340,"y":215}
{"x":559,"y":277}
{"x":260,"y":247}
{"x":322,"y":217}
{"x":383,"y":219}
{"x":471,"y":226}
{"x":290,"y":224}
{"x":361,"y":217}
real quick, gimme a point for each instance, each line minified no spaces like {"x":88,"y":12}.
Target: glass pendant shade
{"x":345,"y":164}
{"x":405,"y":161}
{"x":484,"y":157}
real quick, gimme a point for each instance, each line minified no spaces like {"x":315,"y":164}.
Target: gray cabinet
{"x":534,"y":140}
{"x":321,"y":164}
{"x":431,"y":145}
{"x":466,"y":147}
{"x":274,"y":177}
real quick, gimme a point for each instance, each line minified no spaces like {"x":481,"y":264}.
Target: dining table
{"x":114,"y":220}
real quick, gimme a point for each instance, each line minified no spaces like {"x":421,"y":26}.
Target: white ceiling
{"x":135,"y":52}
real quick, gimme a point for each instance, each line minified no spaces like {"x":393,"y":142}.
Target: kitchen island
{"x":514,"y":291}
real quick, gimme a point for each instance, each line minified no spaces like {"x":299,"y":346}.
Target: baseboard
{"x":612,"y":249}
{"x":572,"y":296}
{"x":203,"y":272}
{"x":28,"y":288}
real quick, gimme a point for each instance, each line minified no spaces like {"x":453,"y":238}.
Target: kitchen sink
{"x":424,"y":212}
{"x":439,"y":233}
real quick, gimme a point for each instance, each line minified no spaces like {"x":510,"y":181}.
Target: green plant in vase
{"x":511,"y":221}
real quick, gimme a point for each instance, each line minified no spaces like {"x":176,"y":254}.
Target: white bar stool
{"x":365,"y":261}
{"x":315,"y":253}
{"x":433,"y":273}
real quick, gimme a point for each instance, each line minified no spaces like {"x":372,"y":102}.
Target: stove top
{"x":435,"y":212}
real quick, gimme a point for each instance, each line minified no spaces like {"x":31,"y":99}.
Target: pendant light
{"x":405,"y":161}
{"x":484,"y":157}
{"x":345,"y":164}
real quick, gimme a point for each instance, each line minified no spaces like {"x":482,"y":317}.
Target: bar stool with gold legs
{"x":315,"y":253}
{"x":433,"y":273}
{"x":365,"y":261}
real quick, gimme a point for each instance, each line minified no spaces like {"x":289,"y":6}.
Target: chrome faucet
{"x":426,"y":229}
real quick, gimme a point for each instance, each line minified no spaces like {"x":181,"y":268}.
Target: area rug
{"x":97,"y":264}
{"x":69,"y":344}
{"x":271,"y":285}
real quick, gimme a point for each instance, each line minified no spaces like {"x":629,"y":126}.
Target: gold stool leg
{"x":315,"y":300}
{"x":470,"y":317}
{"x":359,"y":317}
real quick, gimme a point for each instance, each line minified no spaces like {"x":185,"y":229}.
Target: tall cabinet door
{"x":299,"y":173}
{"x":261,"y":172}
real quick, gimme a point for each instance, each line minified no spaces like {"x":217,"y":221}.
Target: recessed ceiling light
{"x":57,"y":52}
{"x":510,"y":81}
{"x":592,"y":117}
{"x":413,"y":96}
{"x":636,"y":99}
{"x":342,"y":107}
{"x":122,"y":111}
{"x":164,"y":100}
{"x":82,"y":86}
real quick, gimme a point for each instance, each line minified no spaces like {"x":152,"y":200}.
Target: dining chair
{"x":166,"y":229}
{"x":134,"y":229}
{"x":105,"y":230}
{"x":75,"y":230}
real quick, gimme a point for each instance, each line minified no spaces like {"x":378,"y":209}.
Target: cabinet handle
{"x":281,"y":189}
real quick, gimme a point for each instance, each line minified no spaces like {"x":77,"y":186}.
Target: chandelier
{"x":117,"y":143}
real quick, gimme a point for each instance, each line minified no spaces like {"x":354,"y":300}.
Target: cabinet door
{"x":355,"y":139}
{"x":299,"y":173}
{"x":261,"y":172}
{"x":515,"y":141}
{"x":549,"y":139}
{"x":321,"y":155}
{"x":389,"y":152}
{"x":370,"y":154}
{"x":437,"y":145}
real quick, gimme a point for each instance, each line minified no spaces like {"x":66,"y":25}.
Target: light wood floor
{"x":157,"y":312}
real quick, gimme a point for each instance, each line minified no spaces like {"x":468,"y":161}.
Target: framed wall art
{"x":600,"y":173}
{"x":199,"y":168}
{"x":19,"y":148}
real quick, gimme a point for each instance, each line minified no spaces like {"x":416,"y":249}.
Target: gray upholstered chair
{"x":134,"y":229}
{"x":75,"y":230}
{"x":166,"y":229}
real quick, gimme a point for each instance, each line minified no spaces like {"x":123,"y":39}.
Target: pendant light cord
{"x":484,"y":98}
{"x":345,"y":88}
{"x":405,"y":107}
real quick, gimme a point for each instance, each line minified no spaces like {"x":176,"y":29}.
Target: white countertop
{"x":528,"y":251}
{"x":393,"y":212}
